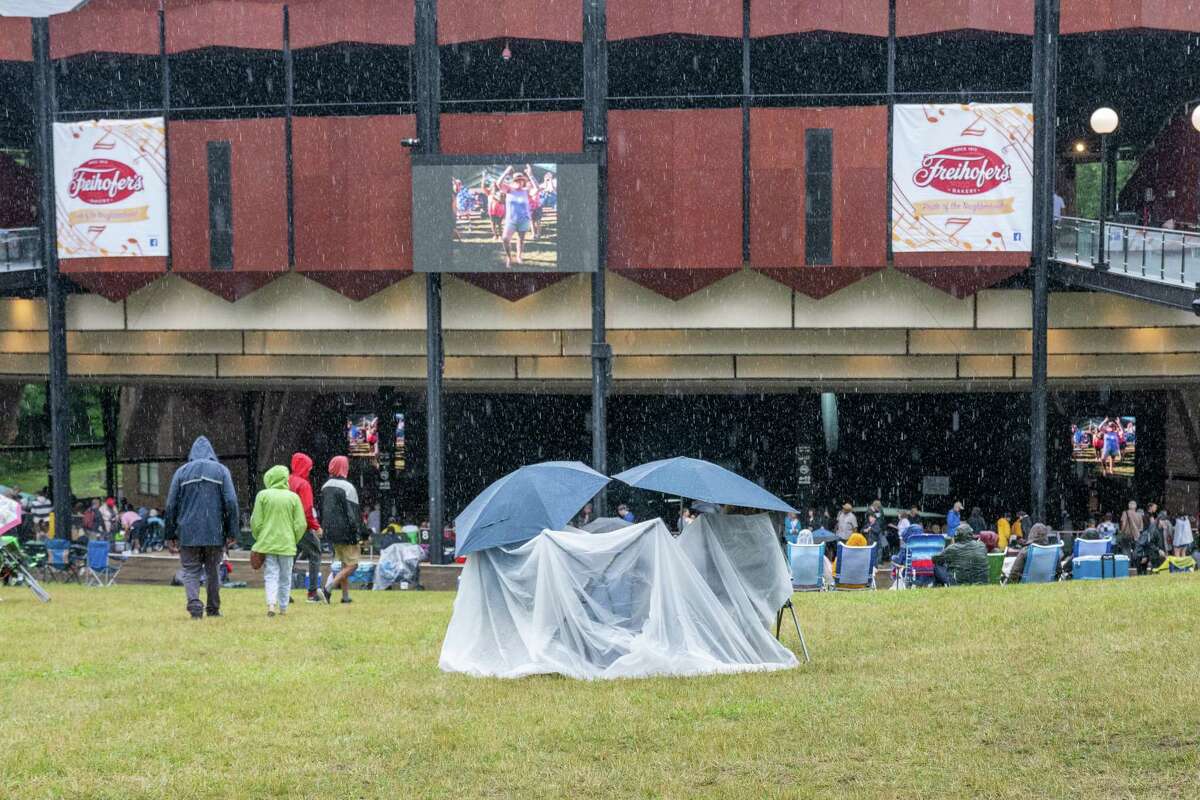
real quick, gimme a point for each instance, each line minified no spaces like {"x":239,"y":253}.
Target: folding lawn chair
{"x":102,"y":568}
{"x":855,"y":568}
{"x":14,"y":566}
{"x":917,"y":568}
{"x":807,"y":562}
{"x":59,"y":563}
{"x":1091,"y":547}
{"x":1041,"y":563}
{"x":35,"y":557}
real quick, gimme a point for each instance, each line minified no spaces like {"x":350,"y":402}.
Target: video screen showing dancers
{"x":505,"y":214}
{"x":362,"y":437}
{"x":1109,"y":444}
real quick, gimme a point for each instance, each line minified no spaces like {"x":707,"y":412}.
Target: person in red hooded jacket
{"x":309,"y":547}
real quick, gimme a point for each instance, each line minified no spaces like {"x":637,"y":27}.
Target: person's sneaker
{"x":282,"y":611}
{"x":270,"y":611}
{"x":347,"y":600}
{"x":197,"y":616}
{"x":312,"y":598}
{"x":214,"y":613}
{"x":325,"y":593}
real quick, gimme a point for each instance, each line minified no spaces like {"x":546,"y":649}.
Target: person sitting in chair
{"x":1038,"y":534}
{"x":1089,"y":534}
{"x":963,"y":561}
{"x":856,"y":540}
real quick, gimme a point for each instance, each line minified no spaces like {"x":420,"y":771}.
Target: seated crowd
{"x":1151,"y":539}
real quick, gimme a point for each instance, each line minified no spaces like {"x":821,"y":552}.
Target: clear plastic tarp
{"x":625,"y":604}
{"x":740,"y":559}
{"x":398,"y":563}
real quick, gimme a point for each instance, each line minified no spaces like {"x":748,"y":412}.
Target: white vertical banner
{"x":110,"y":188}
{"x":962,"y":178}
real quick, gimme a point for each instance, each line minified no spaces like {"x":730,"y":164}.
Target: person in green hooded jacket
{"x":964,"y":561}
{"x":277,"y":525}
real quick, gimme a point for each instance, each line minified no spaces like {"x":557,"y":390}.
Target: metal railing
{"x":1154,"y":254}
{"x":20,"y":249}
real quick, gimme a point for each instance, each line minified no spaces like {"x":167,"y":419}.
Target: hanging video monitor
{"x":1107,"y":444}
{"x":506,"y":213}
{"x":363,"y":437}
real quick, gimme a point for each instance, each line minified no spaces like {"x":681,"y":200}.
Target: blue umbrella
{"x":701,"y":480}
{"x":520,"y":505}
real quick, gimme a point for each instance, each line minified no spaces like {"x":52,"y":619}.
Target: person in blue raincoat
{"x":201,"y":519}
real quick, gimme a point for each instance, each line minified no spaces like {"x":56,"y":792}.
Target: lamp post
{"x":1104,"y":121}
{"x":1196,"y":125}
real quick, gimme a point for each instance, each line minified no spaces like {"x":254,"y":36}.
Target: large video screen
{"x":1106,"y":444}
{"x":514,"y":213}
{"x":362,"y":437}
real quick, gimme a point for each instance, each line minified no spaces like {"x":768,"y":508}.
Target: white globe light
{"x":1104,"y":120}
{"x":1196,"y":118}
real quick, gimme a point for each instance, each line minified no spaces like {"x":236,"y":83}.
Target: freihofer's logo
{"x":101,"y":181}
{"x":962,"y":169}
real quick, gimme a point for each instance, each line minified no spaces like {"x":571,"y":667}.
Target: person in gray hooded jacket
{"x":202,"y":518}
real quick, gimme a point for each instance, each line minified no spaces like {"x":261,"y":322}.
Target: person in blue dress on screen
{"x":518,"y":218}
{"x":1111,"y":452}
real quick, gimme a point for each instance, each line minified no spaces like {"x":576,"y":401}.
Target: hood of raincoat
{"x":202,"y":507}
{"x":202,"y":450}
{"x":856,"y":540}
{"x":276,"y":477}
{"x":1039,"y":534}
{"x":339,"y":467}
{"x":301,"y":465}
{"x":964,"y":533}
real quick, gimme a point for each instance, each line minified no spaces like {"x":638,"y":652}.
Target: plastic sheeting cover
{"x":397,"y":563}
{"x":741,"y":560}
{"x":625,"y":604}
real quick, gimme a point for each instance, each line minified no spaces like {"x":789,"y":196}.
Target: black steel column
{"x":427,"y":68}
{"x":165,"y":65}
{"x":385,"y":409}
{"x":109,"y":401}
{"x":1045,"y":87}
{"x":746,"y":131}
{"x":288,"y":99}
{"x":595,"y":139}
{"x":251,"y":416}
{"x":56,"y":300}
{"x":891,"y":119}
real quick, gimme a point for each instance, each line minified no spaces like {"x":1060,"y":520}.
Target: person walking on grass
{"x":310,"y":546}
{"x":201,"y":519}
{"x":277,"y":525}
{"x":339,"y":507}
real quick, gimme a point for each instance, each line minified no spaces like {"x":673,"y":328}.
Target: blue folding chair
{"x":102,"y":568}
{"x":921,"y":547}
{"x":59,"y":563}
{"x":1091,"y":547}
{"x":855,"y":568}
{"x":1041,"y":563}
{"x":807,"y":562}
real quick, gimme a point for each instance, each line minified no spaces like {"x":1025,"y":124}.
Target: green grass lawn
{"x":1067,"y":690}
{"x":29,"y":470}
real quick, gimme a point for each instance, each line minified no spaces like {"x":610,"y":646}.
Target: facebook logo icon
{"x":1016,"y":236}
{"x":153,"y":242}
